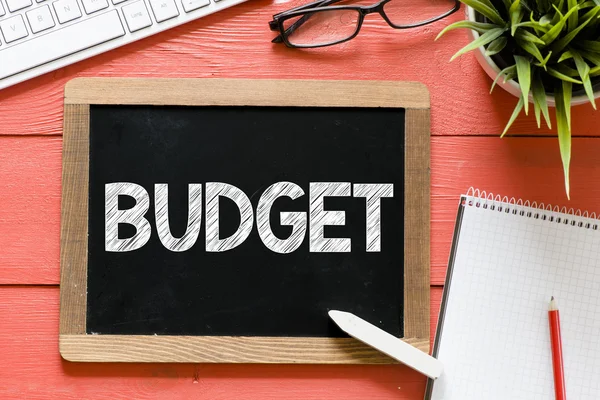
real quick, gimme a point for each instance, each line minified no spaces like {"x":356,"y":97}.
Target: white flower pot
{"x":511,"y":86}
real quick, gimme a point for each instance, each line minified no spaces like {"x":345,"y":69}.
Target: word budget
{"x":314,"y":220}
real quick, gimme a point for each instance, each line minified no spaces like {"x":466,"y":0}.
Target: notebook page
{"x":495,"y":342}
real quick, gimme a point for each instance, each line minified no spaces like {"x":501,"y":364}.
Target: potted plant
{"x":546,"y":52}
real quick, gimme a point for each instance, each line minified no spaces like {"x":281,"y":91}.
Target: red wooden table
{"x":465,"y":151}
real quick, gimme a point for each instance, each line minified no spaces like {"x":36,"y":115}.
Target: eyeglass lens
{"x":403,"y":13}
{"x":323,"y":28}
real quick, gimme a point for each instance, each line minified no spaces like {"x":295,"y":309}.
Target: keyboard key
{"x":60,"y":43}
{"x":12,"y":29}
{"x":66,"y":10}
{"x":91,"y":6}
{"x":40,"y":19}
{"x":115,"y":2}
{"x":191,"y":5}
{"x":2,"y":12}
{"x":14,"y":5}
{"x":164,"y":9}
{"x":136,"y":16}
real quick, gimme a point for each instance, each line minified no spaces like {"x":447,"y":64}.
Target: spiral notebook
{"x":508,"y":257}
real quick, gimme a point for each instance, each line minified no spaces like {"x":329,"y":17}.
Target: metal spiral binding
{"x":542,"y":211}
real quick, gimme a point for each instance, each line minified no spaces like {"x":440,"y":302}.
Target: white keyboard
{"x":39,"y":36}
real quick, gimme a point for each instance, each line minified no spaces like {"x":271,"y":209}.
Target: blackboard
{"x":179,"y":158}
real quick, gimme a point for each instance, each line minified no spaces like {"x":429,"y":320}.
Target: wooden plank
{"x":225,"y":349}
{"x":245,"y":92}
{"x":416,"y":224}
{"x":236,"y":43}
{"x":30,"y":169}
{"x":29,"y":347}
{"x":520,"y":167}
{"x":74,"y":219}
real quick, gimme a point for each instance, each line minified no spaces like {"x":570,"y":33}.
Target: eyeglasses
{"x":320,"y":24}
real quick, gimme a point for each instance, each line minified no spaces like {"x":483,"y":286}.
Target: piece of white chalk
{"x":388,"y":344}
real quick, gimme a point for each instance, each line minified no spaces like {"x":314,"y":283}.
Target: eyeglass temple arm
{"x":313,"y":4}
{"x":274,"y":26}
{"x":292,"y":28}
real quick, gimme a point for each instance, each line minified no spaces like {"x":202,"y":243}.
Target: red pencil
{"x":557,"y":357}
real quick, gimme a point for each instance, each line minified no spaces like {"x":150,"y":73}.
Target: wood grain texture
{"x":416,"y":224}
{"x":74,"y":219}
{"x":34,"y":369}
{"x":246,"y":92}
{"x":236,"y":43}
{"x":76,"y":345}
{"x":226,"y":349}
{"x":30,"y":170}
{"x":516,"y":167}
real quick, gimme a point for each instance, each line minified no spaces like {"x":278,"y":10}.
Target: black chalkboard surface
{"x":208,"y":220}
{"x":249,"y":290}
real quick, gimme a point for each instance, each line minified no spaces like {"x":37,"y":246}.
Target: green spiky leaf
{"x":531,"y":49}
{"x":584,"y":72}
{"x":595,"y":71}
{"x":516,"y":13}
{"x":592,"y":25}
{"x":556,"y":16}
{"x":524,"y":76}
{"x":482,"y":40}
{"x":514,"y":116}
{"x":484,"y":9}
{"x":573,"y":19}
{"x":594,"y":58}
{"x":529,"y":37}
{"x":553,"y":33}
{"x":588,"y":4}
{"x":568,"y":71}
{"x":590,"y":45}
{"x":535,"y":25}
{"x":496,"y":46}
{"x":567,"y":92}
{"x":489,"y":4}
{"x":565,"y":56}
{"x":540,"y":101}
{"x":479,"y":27}
{"x":560,"y":44}
{"x":545,"y":61}
{"x":564,"y":130}
{"x":561,"y":76}
{"x":508,"y":73}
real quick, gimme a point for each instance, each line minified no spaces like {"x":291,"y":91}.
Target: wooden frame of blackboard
{"x":76,"y":345}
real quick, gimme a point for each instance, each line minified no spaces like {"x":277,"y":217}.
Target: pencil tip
{"x":552,"y":298}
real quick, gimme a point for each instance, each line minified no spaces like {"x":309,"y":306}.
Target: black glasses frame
{"x":277,"y":24}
